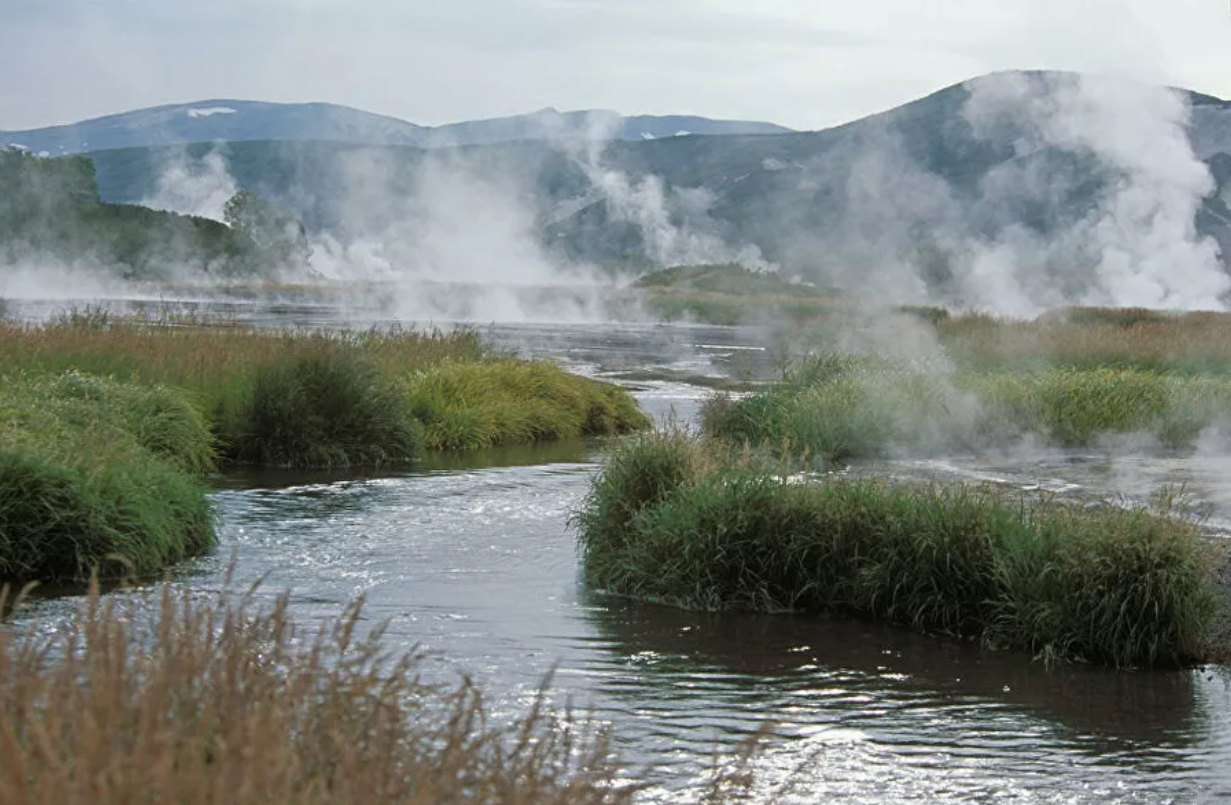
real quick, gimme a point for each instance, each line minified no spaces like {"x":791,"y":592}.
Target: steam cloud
{"x":194,"y":187}
{"x":1140,"y":238}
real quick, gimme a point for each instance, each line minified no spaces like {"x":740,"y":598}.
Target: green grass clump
{"x":667,"y":521}
{"x":91,"y":470}
{"x":324,"y":408}
{"x":323,"y":398}
{"x":840,"y":406}
{"x":466,"y":405}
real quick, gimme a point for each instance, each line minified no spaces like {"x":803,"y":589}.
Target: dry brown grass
{"x":228,"y":702}
{"x":209,"y":358}
{"x":1191,"y":342}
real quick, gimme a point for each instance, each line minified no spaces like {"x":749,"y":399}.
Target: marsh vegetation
{"x":685,"y":521}
{"x":108,"y":425}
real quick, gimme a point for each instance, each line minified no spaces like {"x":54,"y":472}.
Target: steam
{"x":1140,"y":238}
{"x":674,"y":226}
{"x":462,"y":236}
{"x":194,"y":187}
{"x":1088,"y":192}
{"x":454,"y":241}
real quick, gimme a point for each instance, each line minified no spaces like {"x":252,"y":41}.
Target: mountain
{"x":247,"y":121}
{"x":1038,"y":184}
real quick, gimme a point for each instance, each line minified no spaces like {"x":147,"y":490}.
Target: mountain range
{"x":1056,"y":181}
{"x":246,"y":121}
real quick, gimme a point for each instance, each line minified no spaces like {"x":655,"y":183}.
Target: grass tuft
{"x":92,"y":470}
{"x":669,"y":519}
{"x":473,"y":405}
{"x":327,"y":408}
{"x":840,"y":406}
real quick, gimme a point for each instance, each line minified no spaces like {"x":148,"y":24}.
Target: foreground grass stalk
{"x":228,"y":702}
{"x":672,"y":519}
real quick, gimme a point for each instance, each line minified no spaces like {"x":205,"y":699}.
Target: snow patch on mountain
{"x":210,"y":111}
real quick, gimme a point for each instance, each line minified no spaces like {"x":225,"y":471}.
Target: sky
{"x":806,"y":64}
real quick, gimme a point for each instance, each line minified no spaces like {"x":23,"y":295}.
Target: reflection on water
{"x":470,"y":557}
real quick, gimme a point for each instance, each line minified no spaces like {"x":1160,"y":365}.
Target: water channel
{"x":471,"y":558}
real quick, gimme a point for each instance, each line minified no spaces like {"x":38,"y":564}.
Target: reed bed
{"x":225,"y":701}
{"x":326,"y":398}
{"x":678,"y":520}
{"x":1126,"y":338}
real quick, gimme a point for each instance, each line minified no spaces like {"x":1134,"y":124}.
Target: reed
{"x":226,"y":701}
{"x":670,"y":520}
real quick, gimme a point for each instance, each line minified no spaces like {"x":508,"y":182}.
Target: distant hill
{"x":247,"y":121}
{"x":972,"y":180}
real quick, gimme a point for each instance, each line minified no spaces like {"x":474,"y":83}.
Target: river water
{"x":471,"y":558}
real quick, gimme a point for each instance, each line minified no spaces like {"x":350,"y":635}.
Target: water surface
{"x":471,"y":558}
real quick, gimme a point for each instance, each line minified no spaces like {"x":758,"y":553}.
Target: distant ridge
{"x":250,"y":121}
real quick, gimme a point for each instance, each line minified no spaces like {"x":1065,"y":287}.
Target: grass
{"x":317,"y":398}
{"x":92,"y":470}
{"x":323,"y":407}
{"x":106,"y":425}
{"x":228,"y":702}
{"x":840,"y":406}
{"x":1078,"y":338}
{"x":476,"y":405}
{"x":676,"y":520}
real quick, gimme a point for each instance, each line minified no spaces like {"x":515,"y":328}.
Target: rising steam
{"x":1140,"y":237}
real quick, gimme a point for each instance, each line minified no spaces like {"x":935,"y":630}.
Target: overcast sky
{"x":801,"y":63}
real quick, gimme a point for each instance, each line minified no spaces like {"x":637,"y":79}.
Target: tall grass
{"x":321,"y":408}
{"x":91,"y":470}
{"x":842,"y":406}
{"x":323,"y":398}
{"x":475,"y":405}
{"x":228,"y":702}
{"x":1175,"y":343}
{"x":666,"y":521}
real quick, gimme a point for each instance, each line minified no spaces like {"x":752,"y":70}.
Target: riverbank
{"x":88,"y":395}
{"x":684,"y":521}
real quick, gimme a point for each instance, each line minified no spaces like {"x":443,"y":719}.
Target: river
{"x":471,"y":558}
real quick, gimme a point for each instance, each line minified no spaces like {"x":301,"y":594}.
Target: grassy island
{"x":107,"y":426}
{"x":682,"y":521}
